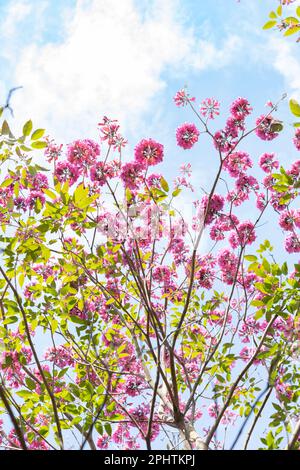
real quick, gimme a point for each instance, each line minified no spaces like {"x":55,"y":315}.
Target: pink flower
{"x":234,"y":126}
{"x":245,"y":235}
{"x":264,"y":130}
{"x":289,"y":218}
{"x":38,"y":181}
{"x":237,"y":197}
{"x":154,"y":180}
{"x":186,"y":170}
{"x":228,"y":263}
{"x":296,"y":139}
{"x":237,"y":163}
{"x":213,"y":410}
{"x":131,"y":174}
{"x":246,"y":183}
{"x":83,"y":153}
{"x":292,"y":244}
{"x":204,"y":271}
{"x":247,"y":353}
{"x":240,"y":108}
{"x":61,"y":356}
{"x":216,"y":204}
{"x":66,"y":171}
{"x":223,"y":141}
{"x":269,"y":104}
{"x":295,"y":169}
{"x":52,"y":151}
{"x":216,"y":233}
{"x":187,"y":135}
{"x":182,"y":98}
{"x":148,"y":152}
{"x":227,"y":260}
{"x":133,"y":386}
{"x":161,"y":274}
{"x":227,"y":222}
{"x":103,"y":441}
{"x":210,"y":108}
{"x":267,"y":162}
{"x":33,"y":197}
{"x":109,"y":129}
{"x":101,"y":172}
{"x":261,"y":201}
{"x":21,"y":203}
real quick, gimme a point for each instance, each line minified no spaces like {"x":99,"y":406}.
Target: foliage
{"x":283,"y":20}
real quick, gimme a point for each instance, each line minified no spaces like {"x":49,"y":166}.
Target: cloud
{"x":111,"y":60}
{"x":285,"y":59}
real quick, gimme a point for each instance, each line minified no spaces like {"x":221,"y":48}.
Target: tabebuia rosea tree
{"x":129,"y":323}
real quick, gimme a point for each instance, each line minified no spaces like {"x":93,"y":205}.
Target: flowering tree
{"x":117,"y":329}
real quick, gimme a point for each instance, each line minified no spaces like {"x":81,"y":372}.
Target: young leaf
{"x":272,"y":15}
{"x":37,"y":134}
{"x":27,"y":128}
{"x":164,"y":184}
{"x":269,"y":24}
{"x":39,"y":144}
{"x":295,"y":107}
{"x":292,"y":30}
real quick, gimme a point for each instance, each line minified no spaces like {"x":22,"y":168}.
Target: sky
{"x":78,"y":60}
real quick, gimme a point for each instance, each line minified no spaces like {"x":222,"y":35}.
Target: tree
{"x":149,"y":340}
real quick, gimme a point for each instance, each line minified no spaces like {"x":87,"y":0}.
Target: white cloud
{"x":110,"y":61}
{"x":285,"y":59}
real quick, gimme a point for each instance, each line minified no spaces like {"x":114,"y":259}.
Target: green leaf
{"x":251,"y":258}
{"x":5,"y":128}
{"x":24,"y":394}
{"x":292,"y":30}
{"x":176,"y":192}
{"x":31,"y":384}
{"x":50,"y":193}
{"x":276,"y":127}
{"x":164,"y":184}
{"x":99,"y":428}
{"x":298,"y":11}
{"x":296,"y":124}
{"x":128,"y":194}
{"x":39,"y":144}
{"x":108,"y":428}
{"x":279,"y":10}
{"x":37,"y":134}
{"x":10,"y":203}
{"x":10,"y":320}
{"x":27,"y":128}
{"x":269,"y":24}
{"x":7,"y":182}
{"x":291,"y":20}
{"x":272,"y":14}
{"x":295,"y":107}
